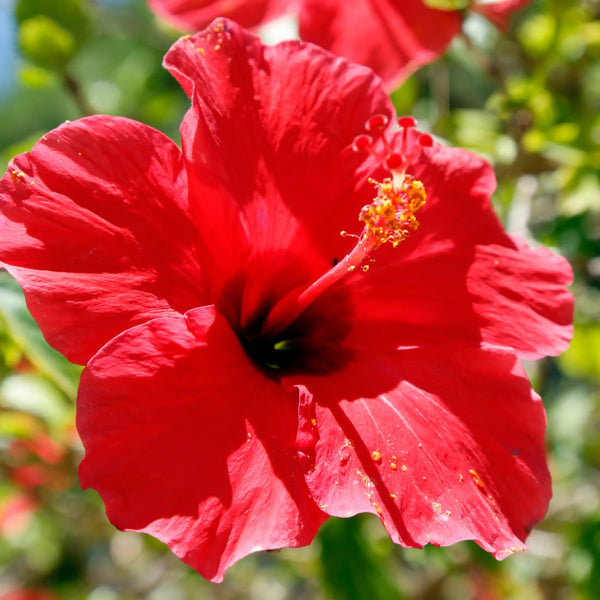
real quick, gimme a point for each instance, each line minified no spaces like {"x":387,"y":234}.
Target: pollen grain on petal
{"x":17,"y":175}
{"x":477,"y":480}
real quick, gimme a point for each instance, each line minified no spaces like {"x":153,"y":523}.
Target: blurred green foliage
{"x":46,"y":43}
{"x":528,"y":100}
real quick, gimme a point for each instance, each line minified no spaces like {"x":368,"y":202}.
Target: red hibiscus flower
{"x":250,"y":371}
{"x":29,"y":594}
{"x":393,"y":37}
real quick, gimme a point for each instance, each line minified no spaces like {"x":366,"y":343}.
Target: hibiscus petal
{"x":444,"y":446}
{"x":520,"y":299}
{"x":197,"y":14}
{"x":460,"y":276}
{"x":187,"y":441}
{"x":270,"y":136}
{"x":87,"y":222}
{"x":499,"y":12}
{"x":393,"y":37}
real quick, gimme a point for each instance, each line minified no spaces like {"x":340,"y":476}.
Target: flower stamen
{"x":388,"y":219}
{"x":391,"y":215}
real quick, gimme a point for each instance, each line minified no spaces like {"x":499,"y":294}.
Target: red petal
{"x":270,"y":136}
{"x":187,"y":441}
{"x":460,"y":276}
{"x":444,"y":446}
{"x":499,"y":12}
{"x":87,"y":223}
{"x":520,"y":299}
{"x":393,"y":37}
{"x":197,"y":14}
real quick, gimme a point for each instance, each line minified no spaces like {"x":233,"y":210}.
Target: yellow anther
{"x":391,"y":215}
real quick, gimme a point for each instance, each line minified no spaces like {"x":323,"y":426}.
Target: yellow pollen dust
{"x":391,"y":216}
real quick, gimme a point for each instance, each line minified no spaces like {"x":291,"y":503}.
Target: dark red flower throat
{"x":311,"y":343}
{"x":303,"y":331}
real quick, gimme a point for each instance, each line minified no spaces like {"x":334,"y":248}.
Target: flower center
{"x":389,"y":218}
{"x":310,"y":344}
{"x":303,"y":331}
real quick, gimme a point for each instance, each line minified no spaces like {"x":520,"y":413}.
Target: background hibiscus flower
{"x":393,"y":37}
{"x":222,"y":411}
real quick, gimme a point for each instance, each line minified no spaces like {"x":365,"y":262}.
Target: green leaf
{"x":37,"y":77}
{"x":18,"y":425}
{"x":583,"y":356}
{"x":27,"y":335}
{"x":353,"y":568}
{"x":32,"y":393}
{"x":46,"y":43}
{"x":405,"y":96}
{"x":537,"y":34}
{"x":71,"y":15}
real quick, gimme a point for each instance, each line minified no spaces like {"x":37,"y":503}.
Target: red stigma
{"x":407,"y":122}
{"x":377,"y":123}
{"x":393,"y":160}
{"x":425,"y":140}
{"x":361,"y":142}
